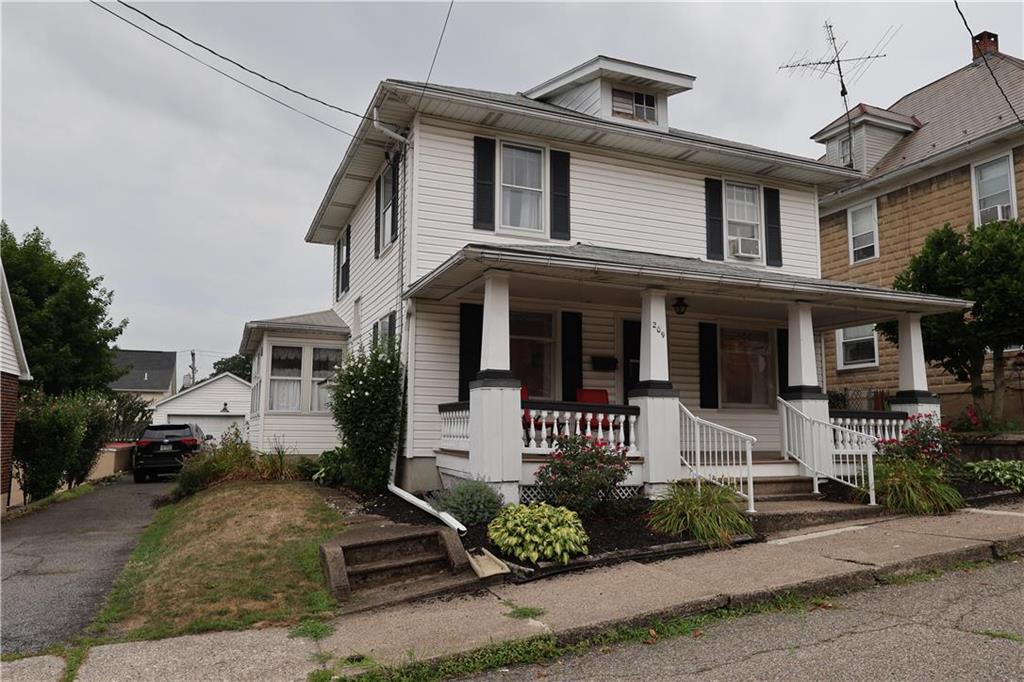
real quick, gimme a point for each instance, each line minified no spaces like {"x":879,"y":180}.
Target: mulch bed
{"x":975,"y":493}
{"x":394,"y":508}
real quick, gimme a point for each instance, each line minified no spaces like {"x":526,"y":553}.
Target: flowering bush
{"x":984,"y":422}
{"x":925,"y":441}
{"x":582,"y":473}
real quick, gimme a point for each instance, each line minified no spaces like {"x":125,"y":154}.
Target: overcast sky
{"x":191,"y":195}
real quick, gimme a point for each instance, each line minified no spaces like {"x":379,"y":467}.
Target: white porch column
{"x":658,"y":423}
{"x":495,"y":411}
{"x":913,"y":396}
{"x":803,"y":391}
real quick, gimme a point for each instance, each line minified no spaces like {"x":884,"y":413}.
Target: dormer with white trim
{"x":874,"y":132}
{"x":615,"y":90}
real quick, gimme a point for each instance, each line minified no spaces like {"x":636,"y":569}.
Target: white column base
{"x":917,"y":402}
{"x":822,"y":448}
{"x":657,"y":438}
{"x":496,"y":435}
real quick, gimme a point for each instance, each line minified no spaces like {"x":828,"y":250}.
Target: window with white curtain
{"x":857,"y":347}
{"x":993,"y":191}
{"x":324,"y":362}
{"x":743,"y":220}
{"x":746,"y":363}
{"x":256,"y":383}
{"x":522,"y":187}
{"x":285,"y":378}
{"x":863,"y":226}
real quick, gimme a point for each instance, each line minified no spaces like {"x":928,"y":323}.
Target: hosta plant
{"x":1004,"y":472}
{"x":471,"y":502}
{"x":538,"y":532}
{"x":709,"y":514}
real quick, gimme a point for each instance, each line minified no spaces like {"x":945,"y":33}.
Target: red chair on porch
{"x":593,"y":396}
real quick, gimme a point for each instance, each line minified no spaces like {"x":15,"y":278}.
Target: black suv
{"x":163,"y":449}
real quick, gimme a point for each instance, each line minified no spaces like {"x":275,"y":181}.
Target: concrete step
{"x":387,"y":571}
{"x":369,"y":544}
{"x":774,"y":516}
{"x":783,"y":485}
{"x":421,"y":587}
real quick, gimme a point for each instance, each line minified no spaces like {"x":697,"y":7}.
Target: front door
{"x":630,"y":356}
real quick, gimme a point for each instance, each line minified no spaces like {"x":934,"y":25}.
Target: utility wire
{"x":226,"y":75}
{"x":437,"y":49}
{"x":984,"y":58}
{"x":245,"y":68}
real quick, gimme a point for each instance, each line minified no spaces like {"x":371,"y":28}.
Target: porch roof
{"x":321,"y":323}
{"x":712,"y":282}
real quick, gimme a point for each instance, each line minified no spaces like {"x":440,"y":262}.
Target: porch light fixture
{"x":680,"y":306}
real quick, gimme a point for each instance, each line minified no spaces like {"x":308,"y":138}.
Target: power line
{"x":226,"y":75}
{"x":243,"y":66}
{"x":437,"y":49}
{"x":984,"y":58}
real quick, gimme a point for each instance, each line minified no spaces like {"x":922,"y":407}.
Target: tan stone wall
{"x":905,"y":217}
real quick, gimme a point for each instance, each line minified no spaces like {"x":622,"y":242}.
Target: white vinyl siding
{"x":862,"y":224}
{"x":8,"y":357}
{"x":585,"y":98}
{"x":614,"y":202}
{"x":877,"y":143}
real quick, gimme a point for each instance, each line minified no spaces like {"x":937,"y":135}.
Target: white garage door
{"x":214,"y":425}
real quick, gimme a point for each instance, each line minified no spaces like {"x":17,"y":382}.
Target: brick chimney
{"x":985,"y":43}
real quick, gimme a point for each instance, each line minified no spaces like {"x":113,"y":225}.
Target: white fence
{"x":881,"y":425}
{"x":544,"y":422}
{"x":454,"y":425}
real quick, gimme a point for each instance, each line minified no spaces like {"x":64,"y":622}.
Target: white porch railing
{"x":881,"y":425}
{"x":544,"y":422}
{"x":454,"y":425}
{"x":828,"y":450}
{"x":718,"y":454}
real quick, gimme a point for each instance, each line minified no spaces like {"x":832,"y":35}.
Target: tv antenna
{"x":831,"y":63}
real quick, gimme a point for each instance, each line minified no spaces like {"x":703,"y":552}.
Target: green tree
{"x":62,"y":315}
{"x":985,"y":264}
{"x":237,"y":364}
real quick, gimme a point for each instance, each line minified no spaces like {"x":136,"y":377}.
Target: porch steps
{"x":376,"y":564}
{"x":784,"y":488}
{"x":773,"y":516}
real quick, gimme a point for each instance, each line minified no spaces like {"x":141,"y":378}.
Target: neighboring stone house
{"x":951,"y":151}
{"x":13,"y":368}
{"x":152,"y":374}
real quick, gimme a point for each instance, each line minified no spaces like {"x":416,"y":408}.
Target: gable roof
{"x":151,"y":370}
{"x":861,"y":112}
{"x":12,"y":326}
{"x":317,"y":323}
{"x":205,"y":383}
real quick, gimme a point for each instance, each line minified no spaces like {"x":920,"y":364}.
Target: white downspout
{"x":386,"y":130}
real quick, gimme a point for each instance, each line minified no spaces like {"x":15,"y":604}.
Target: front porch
{"x":716,"y":380}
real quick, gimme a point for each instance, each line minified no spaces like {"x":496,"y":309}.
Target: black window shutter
{"x":572,"y":354}
{"x":713,"y":218}
{"x":396,"y":163}
{"x":483,"y":183}
{"x":376,"y":332}
{"x":707,"y":343}
{"x":345,"y":264}
{"x":392,"y":322}
{"x":376,"y":222}
{"x":782,"y":354}
{"x":337,"y":268}
{"x":471,"y":331}
{"x":560,"y":195}
{"x":772,"y":228}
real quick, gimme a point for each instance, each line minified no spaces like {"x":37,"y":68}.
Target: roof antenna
{"x":832,"y":59}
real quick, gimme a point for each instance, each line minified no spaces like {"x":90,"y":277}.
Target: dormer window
{"x":637,"y":106}
{"x":845,"y":152}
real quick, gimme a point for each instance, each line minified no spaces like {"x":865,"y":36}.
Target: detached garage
{"x":215,"y":405}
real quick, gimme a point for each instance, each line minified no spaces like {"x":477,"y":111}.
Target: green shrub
{"x":1004,"y":472}
{"x":132,"y":415}
{"x":471,"y":502}
{"x":233,"y":460}
{"x":368,"y":408}
{"x":306,"y":468}
{"x":912,"y":486}
{"x":924,"y":440}
{"x":96,"y":413}
{"x":709,"y":514}
{"x":582,"y":473}
{"x":332,"y":466}
{"x":45,"y":432}
{"x":538,"y":532}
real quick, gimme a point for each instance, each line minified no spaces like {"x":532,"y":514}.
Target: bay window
{"x":857,"y":347}
{"x":531,"y":352}
{"x":522,"y":187}
{"x":993,"y":191}
{"x":324,"y":362}
{"x":285,"y":378}
{"x":743,"y":220}
{"x":746,"y":367}
{"x":862,"y":222}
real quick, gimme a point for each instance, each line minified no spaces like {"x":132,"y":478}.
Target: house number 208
{"x":657,"y":328}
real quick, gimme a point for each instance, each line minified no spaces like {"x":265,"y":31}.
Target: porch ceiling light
{"x":680,"y":306}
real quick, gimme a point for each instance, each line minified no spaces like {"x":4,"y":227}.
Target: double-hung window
{"x":257,"y":383}
{"x":845,"y":151}
{"x":285,"y":378}
{"x":386,"y":207}
{"x":863,"y":227}
{"x":324,"y":362}
{"x":993,"y":190}
{"x":857,"y":347}
{"x":746,"y":367}
{"x":743,"y":221}
{"x":531,"y":351}
{"x":522,"y":187}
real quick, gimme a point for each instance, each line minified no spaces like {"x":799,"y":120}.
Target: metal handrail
{"x":692,"y":425}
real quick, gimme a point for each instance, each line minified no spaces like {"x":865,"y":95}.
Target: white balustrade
{"x":543,"y":425}
{"x":455,"y":426}
{"x":718,"y":454}
{"x":888,"y":427}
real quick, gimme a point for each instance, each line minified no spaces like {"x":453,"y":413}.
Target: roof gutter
{"x":377,"y":125}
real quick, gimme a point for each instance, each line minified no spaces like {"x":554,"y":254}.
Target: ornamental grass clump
{"x":538,"y":532}
{"x":709,"y":514}
{"x":471,"y":502}
{"x":583,"y":473}
{"x":912,"y":486}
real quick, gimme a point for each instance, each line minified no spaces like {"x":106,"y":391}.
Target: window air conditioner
{"x":745,"y":247}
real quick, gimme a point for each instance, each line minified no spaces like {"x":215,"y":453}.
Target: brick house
{"x":935,"y":156}
{"x":13,"y":368}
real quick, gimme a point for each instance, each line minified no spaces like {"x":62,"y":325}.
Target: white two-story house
{"x":561,"y":261}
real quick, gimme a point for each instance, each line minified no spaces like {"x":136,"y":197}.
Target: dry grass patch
{"x":238,"y":555}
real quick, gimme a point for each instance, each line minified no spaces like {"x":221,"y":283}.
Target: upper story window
{"x":993,"y":190}
{"x":845,"y":151}
{"x":639,"y":106}
{"x":522,"y":187}
{"x":285,"y":378}
{"x":862,"y":222}
{"x":384,"y":231}
{"x":531,"y":351}
{"x":743,"y":221}
{"x":856,"y":347}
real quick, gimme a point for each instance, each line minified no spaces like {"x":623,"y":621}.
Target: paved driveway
{"x":58,"y":563}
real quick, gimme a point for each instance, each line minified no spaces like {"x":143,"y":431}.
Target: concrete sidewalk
{"x":823,"y":560}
